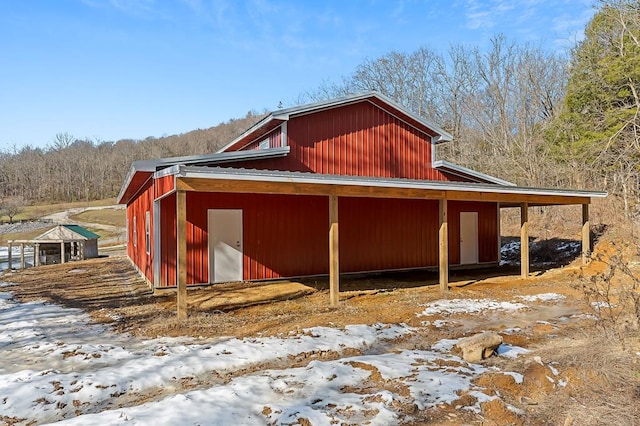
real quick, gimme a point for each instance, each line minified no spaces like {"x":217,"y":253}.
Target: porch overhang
{"x":205,"y":179}
{"x":224,"y":180}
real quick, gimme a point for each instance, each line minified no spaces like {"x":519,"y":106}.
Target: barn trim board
{"x":340,"y":186}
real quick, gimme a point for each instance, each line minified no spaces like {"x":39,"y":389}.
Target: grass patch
{"x":113,"y":217}
{"x":36,"y":211}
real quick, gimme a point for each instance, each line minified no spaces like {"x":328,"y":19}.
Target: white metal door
{"x":468,"y":238}
{"x":225,"y":245}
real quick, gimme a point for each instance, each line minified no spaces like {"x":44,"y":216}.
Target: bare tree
{"x":11,"y":207}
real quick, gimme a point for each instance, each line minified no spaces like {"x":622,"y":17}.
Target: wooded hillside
{"x":73,"y":169}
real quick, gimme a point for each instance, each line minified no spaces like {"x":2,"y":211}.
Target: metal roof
{"x":301,"y":177}
{"x":275,"y":118}
{"x":151,"y":166}
{"x":82,"y":231}
{"x":66,"y":232}
{"x":466,"y":173}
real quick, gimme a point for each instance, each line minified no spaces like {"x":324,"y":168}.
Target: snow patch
{"x":510,"y":351}
{"x":458,"y":306}
{"x":543,"y":297}
{"x":519,"y":378}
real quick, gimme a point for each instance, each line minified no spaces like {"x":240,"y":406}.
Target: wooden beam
{"x":586,"y":235}
{"x":62,"y":259}
{"x":499,"y":226}
{"x":342,"y":190}
{"x":9,"y":259}
{"x":515,"y":198}
{"x":295,"y":188}
{"x":36,"y":254}
{"x":21,"y":255}
{"x":443,"y":239}
{"x":181,"y":237}
{"x":524,"y":240}
{"x":334,"y":255}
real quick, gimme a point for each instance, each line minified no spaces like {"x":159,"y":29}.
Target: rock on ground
{"x":480,"y":346}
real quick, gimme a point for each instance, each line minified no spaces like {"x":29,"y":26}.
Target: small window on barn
{"x":147,"y":233}
{"x":264,"y":144}
{"x":135,"y":233}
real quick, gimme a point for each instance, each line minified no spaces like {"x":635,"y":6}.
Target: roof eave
{"x":454,"y":168}
{"x":285,"y":114}
{"x":298,"y":177}
{"x":266,"y":120}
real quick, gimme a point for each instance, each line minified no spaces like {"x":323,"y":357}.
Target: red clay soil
{"x":597,"y":380}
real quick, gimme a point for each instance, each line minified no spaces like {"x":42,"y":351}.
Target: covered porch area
{"x":47,"y":252}
{"x":218,"y":180}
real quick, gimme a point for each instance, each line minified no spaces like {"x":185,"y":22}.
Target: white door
{"x":468,"y":238}
{"x":225,"y":245}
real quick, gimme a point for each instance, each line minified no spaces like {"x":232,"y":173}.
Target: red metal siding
{"x":358,"y":140}
{"x":487,"y":230}
{"x":363,"y":140}
{"x":379,"y":234}
{"x":168,"y":243}
{"x":164,"y":185}
{"x":285,"y":236}
{"x":275,"y":140}
{"x":139,"y":180}
{"x":137,"y":253}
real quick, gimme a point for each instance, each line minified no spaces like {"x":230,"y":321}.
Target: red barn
{"x":268,"y":204}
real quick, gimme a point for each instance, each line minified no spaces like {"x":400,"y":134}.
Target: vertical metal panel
{"x":164,"y":185}
{"x":379,"y":234}
{"x":156,"y":231}
{"x":286,"y":236}
{"x":487,"y":230}
{"x":275,"y":140}
{"x":168,"y":253}
{"x":282,"y":235}
{"x":359,"y":139}
{"x":136,"y":249}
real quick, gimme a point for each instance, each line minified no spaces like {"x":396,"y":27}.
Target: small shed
{"x":61,"y":244}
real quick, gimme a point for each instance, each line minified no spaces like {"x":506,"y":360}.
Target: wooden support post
{"x":21,"y":255}
{"x":499,"y":226}
{"x":9,"y":259}
{"x":81,"y":250}
{"x":334,"y":257}
{"x":36,"y":254}
{"x":524,"y":240}
{"x":586,"y":235}
{"x":62,"y":259}
{"x":443,"y":238}
{"x":181,"y":236}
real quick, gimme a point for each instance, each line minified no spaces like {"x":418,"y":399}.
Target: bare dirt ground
{"x":600,"y":369}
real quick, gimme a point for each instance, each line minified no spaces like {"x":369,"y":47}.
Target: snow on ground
{"x":459,"y":306}
{"x":15,"y":257}
{"x":322,"y":392}
{"x":57,"y":366}
{"x":543,"y":297}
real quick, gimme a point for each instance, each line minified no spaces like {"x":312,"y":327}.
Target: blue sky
{"x":113,"y":69}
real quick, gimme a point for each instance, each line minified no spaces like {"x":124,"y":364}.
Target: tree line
{"x":517,"y":111}
{"x":524,"y":113}
{"x":72,"y":169}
